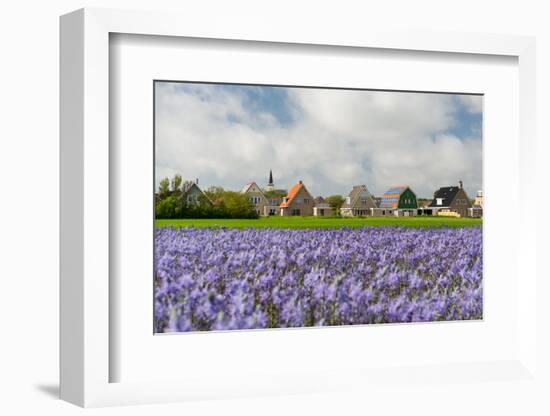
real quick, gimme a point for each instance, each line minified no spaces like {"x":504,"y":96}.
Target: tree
{"x":238,"y":205}
{"x":215,"y":194}
{"x":176,"y":183}
{"x":168,"y":208}
{"x":164,"y":188}
{"x":335,"y":202}
{"x":275,"y":193}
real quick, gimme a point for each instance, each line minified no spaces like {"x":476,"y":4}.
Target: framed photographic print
{"x":239,"y":250}
{"x":272,"y":214}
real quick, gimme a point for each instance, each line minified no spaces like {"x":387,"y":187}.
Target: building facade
{"x":398,"y":201}
{"x":451,"y":199}
{"x":298,"y":202}
{"x":359,"y":202}
{"x":322,"y":208}
{"x":256,"y":197}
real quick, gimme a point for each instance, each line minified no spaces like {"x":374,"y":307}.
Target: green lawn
{"x":323,"y":222}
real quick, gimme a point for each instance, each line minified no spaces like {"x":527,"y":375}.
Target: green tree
{"x":176,"y":183}
{"x":238,"y":205}
{"x":164,"y":188}
{"x":168,"y":208}
{"x":335,"y":202}
{"x":215,"y":194}
{"x":276,"y":193}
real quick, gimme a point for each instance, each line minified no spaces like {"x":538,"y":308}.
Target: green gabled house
{"x":399,"y":198}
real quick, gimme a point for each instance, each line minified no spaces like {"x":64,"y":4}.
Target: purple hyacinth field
{"x":223,"y":279}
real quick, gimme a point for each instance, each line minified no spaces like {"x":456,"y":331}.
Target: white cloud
{"x":338,"y":139}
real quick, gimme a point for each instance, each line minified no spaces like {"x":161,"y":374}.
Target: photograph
{"x":303,"y":206}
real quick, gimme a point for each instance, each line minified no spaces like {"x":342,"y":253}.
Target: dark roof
{"x":447,"y":194}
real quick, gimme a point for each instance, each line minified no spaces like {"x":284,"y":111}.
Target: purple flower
{"x":222,"y":278}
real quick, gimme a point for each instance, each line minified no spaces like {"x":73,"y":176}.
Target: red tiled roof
{"x":292,"y":194}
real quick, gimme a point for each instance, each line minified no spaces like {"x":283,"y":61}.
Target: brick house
{"x":358,"y":202}
{"x":322,"y":208}
{"x":298,"y":202}
{"x":256,"y":197}
{"x":451,"y":199}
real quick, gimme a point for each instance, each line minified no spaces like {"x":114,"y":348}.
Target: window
{"x":348,"y":200}
{"x":298,"y":200}
{"x":306,"y":200}
{"x":439,"y":201}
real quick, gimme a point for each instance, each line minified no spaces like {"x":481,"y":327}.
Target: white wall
{"x":29,"y":177}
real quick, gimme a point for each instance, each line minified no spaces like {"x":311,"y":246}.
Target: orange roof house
{"x":298,"y":201}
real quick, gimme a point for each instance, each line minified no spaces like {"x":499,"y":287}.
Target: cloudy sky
{"x":229,"y":135}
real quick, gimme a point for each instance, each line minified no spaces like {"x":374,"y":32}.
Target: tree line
{"x":215,"y":202}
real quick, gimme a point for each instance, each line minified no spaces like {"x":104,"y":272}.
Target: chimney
{"x":460,"y":184}
{"x":300,"y":182}
{"x":197,"y":181}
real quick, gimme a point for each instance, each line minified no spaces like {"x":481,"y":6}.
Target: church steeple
{"x":270,"y":185}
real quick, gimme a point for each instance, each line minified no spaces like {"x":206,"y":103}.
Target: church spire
{"x":270,"y":185}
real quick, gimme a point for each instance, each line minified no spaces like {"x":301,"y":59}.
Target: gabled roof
{"x":447,"y":194}
{"x":188,"y":186}
{"x":355,"y":194}
{"x":249,"y":185}
{"x":390,"y":199}
{"x":292,"y":193}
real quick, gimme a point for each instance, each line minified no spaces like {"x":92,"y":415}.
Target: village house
{"x":451,"y":199}
{"x":359,"y":202}
{"x":298,"y":202}
{"x":322,"y":208}
{"x":273,"y":203}
{"x":192,"y":195}
{"x":399,"y":201}
{"x":476,"y":210}
{"x":479,"y":199}
{"x":256,"y":197}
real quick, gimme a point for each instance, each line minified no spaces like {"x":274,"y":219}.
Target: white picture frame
{"x":85,"y":353}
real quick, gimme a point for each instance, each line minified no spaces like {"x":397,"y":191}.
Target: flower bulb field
{"x":218,"y":278}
